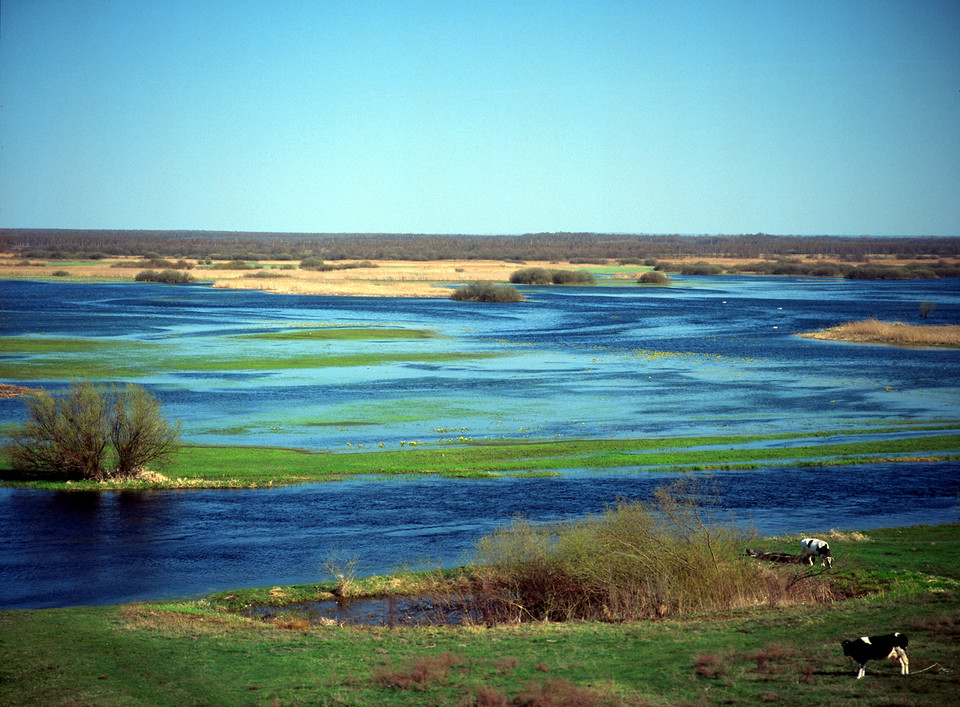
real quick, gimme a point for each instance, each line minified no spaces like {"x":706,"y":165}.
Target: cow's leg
{"x":904,"y":663}
{"x":862,"y":671}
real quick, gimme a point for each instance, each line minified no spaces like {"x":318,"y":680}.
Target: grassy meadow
{"x":208,"y":652}
{"x":209,"y":466}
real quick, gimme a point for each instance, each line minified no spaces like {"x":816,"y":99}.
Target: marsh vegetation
{"x":879,"y":332}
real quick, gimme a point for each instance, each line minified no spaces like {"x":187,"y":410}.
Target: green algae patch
{"x":338,"y":333}
{"x":14,"y":345}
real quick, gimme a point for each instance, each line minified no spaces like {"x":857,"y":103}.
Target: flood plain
{"x":347,"y":374}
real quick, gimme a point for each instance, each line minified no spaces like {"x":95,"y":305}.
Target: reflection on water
{"x":75,"y":549}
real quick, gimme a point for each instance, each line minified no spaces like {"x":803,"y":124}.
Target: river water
{"x":707,"y":355}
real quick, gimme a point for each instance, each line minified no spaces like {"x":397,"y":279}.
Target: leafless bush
{"x":73,"y":436}
{"x":635,"y":560}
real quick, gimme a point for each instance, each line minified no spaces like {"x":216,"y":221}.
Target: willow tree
{"x":92,"y":433}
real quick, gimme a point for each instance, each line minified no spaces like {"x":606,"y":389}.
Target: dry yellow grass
{"x":875,"y":331}
{"x":390,"y":278}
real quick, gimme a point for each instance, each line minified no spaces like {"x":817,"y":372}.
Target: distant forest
{"x":54,"y":244}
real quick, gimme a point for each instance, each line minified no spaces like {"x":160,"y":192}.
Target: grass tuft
{"x":424,"y":672}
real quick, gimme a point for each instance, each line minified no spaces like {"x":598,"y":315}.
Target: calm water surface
{"x":706,"y":355}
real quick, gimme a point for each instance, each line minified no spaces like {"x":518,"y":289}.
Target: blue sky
{"x":482,"y":117}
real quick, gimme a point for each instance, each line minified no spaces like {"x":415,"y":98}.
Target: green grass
{"x":22,"y":345}
{"x":243,"y":466}
{"x":199,"y":652}
{"x":113,"y":360}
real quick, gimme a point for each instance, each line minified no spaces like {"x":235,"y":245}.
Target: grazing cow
{"x":812,"y":549}
{"x":866,"y":648}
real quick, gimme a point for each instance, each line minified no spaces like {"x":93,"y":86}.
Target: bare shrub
{"x":64,"y":437}
{"x":505,"y":665}
{"x":771,"y":658}
{"x":562,"y":693}
{"x":634,"y":560}
{"x":710,"y":665}
{"x":71,"y":437}
{"x":490,"y":697}
{"x":343,"y":570}
{"x":425,"y":671}
{"x":139,"y":432}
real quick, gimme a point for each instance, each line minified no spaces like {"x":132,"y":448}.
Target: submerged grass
{"x":344,"y":333}
{"x":243,"y":467}
{"x":149,"y":358}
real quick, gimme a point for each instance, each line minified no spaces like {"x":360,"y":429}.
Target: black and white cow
{"x":812,"y":549}
{"x":866,"y":648}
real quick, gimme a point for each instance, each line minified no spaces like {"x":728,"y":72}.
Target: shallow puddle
{"x":375,"y":611}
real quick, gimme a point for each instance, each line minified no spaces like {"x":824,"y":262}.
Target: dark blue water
{"x":67,"y":549}
{"x":706,"y":355}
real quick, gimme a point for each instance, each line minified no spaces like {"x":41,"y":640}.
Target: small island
{"x":893,"y":333}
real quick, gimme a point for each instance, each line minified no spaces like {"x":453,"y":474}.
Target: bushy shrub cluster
{"x":653,"y":277}
{"x":486,"y":292}
{"x":548,"y":276}
{"x":92,"y":433}
{"x":154,"y":263}
{"x":701,"y":268}
{"x":635,"y":560}
{"x":265,"y":274}
{"x":167,"y":277}
{"x":235,"y":265}
{"x":799,"y":268}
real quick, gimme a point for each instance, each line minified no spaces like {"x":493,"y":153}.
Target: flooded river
{"x":704,"y":356}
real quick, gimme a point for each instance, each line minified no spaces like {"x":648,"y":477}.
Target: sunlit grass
{"x":244,"y":467}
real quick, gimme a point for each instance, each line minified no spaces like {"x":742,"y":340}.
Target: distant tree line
{"x":53,"y":244}
{"x":916,"y":270}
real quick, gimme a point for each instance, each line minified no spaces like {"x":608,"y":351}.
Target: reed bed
{"x":876,"y":331}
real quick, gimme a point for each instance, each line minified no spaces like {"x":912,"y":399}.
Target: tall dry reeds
{"x":874,"y":330}
{"x":635,"y":560}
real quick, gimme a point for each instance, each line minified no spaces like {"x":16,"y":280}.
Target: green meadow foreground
{"x":206,"y":652}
